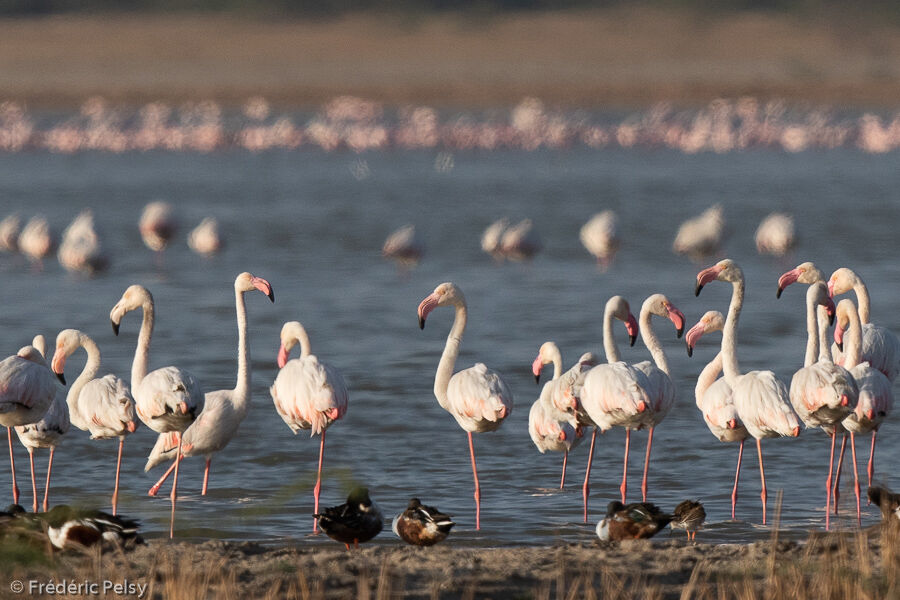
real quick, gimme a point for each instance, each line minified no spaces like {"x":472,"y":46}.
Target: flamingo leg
{"x":33,"y":484}
{"x":624,"y":487}
{"x":477,"y":487}
{"x":47,"y":486}
{"x":206,"y":476}
{"x":646,"y":467}
{"x":174,"y":494}
{"x":837,"y":476}
{"x":737,"y":475}
{"x":318,"y":488}
{"x":762,"y":475}
{"x":586,"y":488}
{"x":855,"y":476}
{"x":155,"y":489}
{"x":562,"y":482}
{"x":871,"y":468}
{"x":115,"y":496}
{"x":12,"y":466}
{"x":828,"y":482}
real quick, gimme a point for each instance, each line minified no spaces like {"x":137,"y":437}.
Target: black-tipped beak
{"x":697,"y":289}
{"x":831,"y":321}
{"x":690,"y":349}
{"x":840,"y":346}
{"x":271,"y":295}
{"x":115,"y":327}
{"x":421,"y":323}
{"x":537,"y":379}
{"x":679,"y":332}
{"x":632,"y":339}
{"x":61,"y":377}
{"x":778,"y":293}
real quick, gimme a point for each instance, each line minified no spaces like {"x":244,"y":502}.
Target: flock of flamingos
{"x":843,"y":388}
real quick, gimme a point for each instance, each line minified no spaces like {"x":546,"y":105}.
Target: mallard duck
{"x":68,"y":526}
{"x":887,"y":501}
{"x":632,"y":522}
{"x":357,"y":520}
{"x":422,"y":525}
{"x":688,"y":515}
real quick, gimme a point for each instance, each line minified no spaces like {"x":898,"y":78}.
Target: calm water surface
{"x":313,"y":224}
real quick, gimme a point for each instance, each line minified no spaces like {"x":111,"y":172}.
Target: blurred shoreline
{"x":618,"y":57}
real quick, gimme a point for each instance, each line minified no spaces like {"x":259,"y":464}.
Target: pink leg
{"x":562,"y":482}
{"x":737,"y":475}
{"x":33,"y":484}
{"x":206,"y":476}
{"x":477,"y":487}
{"x":174,"y":494}
{"x":871,"y":469}
{"x":837,"y":476}
{"x":762,"y":475}
{"x":855,"y":477}
{"x":646,"y":467}
{"x":828,"y":483}
{"x":47,"y":486}
{"x":586,"y":488}
{"x":115,"y":498}
{"x":155,"y":489}
{"x":12,"y":467}
{"x":318,"y":488}
{"x":624,"y":487}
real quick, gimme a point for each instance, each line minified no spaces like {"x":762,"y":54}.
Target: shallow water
{"x":313,"y":223}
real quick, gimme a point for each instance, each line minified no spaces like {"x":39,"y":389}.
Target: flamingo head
{"x":246,"y":282}
{"x":588,"y":359}
{"x":562,"y":435}
{"x":732,"y":424}
{"x":841,"y":282}
{"x":131,"y":426}
{"x":724,"y":270}
{"x":711,"y":321}
{"x":445,"y":294}
{"x":548,"y":353}
{"x":67,"y":342}
{"x":806,"y":273}
{"x":291,"y":333}
{"x":136,"y":296}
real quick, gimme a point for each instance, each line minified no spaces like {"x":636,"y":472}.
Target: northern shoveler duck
{"x":887,"y":501}
{"x":632,"y":522}
{"x":68,"y":526}
{"x":688,"y":515}
{"x":357,"y":520}
{"x":422,"y":525}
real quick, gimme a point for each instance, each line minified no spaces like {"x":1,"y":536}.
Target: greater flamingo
{"x":476,"y":397}
{"x":520,"y":241}
{"x":102,"y":406}
{"x":46,"y":433}
{"x":615,"y":393}
{"x":600,"y":237}
{"x":223,"y":410}
{"x":490,"y":239}
{"x":157,"y":226}
{"x":701,"y":236}
{"x":80,"y":249}
{"x":822,"y":393}
{"x":27,"y":389}
{"x":775,"y":234}
{"x":308,"y":394}
{"x":9,"y":233}
{"x":37,"y":240}
{"x":205,"y":238}
{"x":761,"y":399}
{"x":549,"y":433}
{"x":167,"y":399}
{"x":714,"y":397}
{"x":404,"y":246}
{"x":662,"y":390}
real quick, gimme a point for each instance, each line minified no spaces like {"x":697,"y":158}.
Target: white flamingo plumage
{"x":701,"y":236}
{"x":36,"y":241}
{"x":80,"y":249}
{"x":662,"y":393}
{"x":157,"y":225}
{"x":549,"y":433}
{"x":714,"y":397}
{"x":615,"y":393}
{"x":46,"y":433}
{"x":404,"y":246}
{"x":102,"y":406}
{"x":761,"y":400}
{"x":600,"y":237}
{"x":477,"y":397}
{"x":9,"y":233}
{"x":223,"y":410}
{"x":520,"y":241}
{"x":205,"y":238}
{"x":308,"y":393}
{"x":167,"y":399}
{"x":490,"y":239}
{"x":775,"y":234}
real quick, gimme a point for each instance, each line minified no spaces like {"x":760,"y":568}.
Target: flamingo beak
{"x":677,"y":318}
{"x":690,"y":349}
{"x":787,"y":279}
{"x":732,"y":424}
{"x":536,"y":367}
{"x":131,"y":426}
{"x":830,"y":311}
{"x":845,"y":401}
{"x":839,"y":337}
{"x":264,"y":286}
{"x":631,"y":325}
{"x":694,"y":334}
{"x":426,"y":306}
{"x":115,"y":327}
{"x":831,"y":288}
{"x":61,"y":377}
{"x":183,"y":407}
{"x":705,"y":276}
{"x":282,"y":356}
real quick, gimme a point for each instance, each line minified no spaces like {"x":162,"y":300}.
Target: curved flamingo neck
{"x":87,"y":373}
{"x":652,"y":342}
{"x":556,"y":358}
{"x":448,"y":357}
{"x":813,"y":332}
{"x":303,"y":339}
{"x":142,"y":352}
{"x":609,"y":341}
{"x":242,"y":387}
{"x":853,"y":348}
{"x":862,"y":298}
{"x":707,"y":377}
{"x":824,"y":345}
{"x":729,"y":333}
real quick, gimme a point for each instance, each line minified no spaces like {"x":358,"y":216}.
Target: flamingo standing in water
{"x":9,"y":233}
{"x":520,"y":241}
{"x":761,"y":399}
{"x":476,"y":397}
{"x":615,"y":393}
{"x":205,"y":238}
{"x":36,"y":240}
{"x":775,"y":234}
{"x":102,"y":406}
{"x":157,"y":225}
{"x":490,"y":239}
{"x":80,"y":249}
{"x":822,"y":393}
{"x":404,"y":246}
{"x":223,"y":410}
{"x":600,"y":237}
{"x":701,"y":236}
{"x":714,"y":397}
{"x":661,"y":391}
{"x":27,"y":389}
{"x":308,"y":394}
{"x":46,"y":433}
{"x":167,"y":399}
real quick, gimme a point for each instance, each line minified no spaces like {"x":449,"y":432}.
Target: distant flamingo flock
{"x":843,"y":388}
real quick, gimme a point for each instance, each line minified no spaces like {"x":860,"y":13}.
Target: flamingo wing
{"x":161,"y":395}
{"x":615,"y":394}
{"x":720,"y":413}
{"x":47,"y":432}
{"x":26,"y":390}
{"x":876,"y":399}
{"x":661,"y":391}
{"x":823,"y":394}
{"x":763,"y":404}
{"x":309,"y":394}
{"x":105,"y":407}
{"x":478,"y":398}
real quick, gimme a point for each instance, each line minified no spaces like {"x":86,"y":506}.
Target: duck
{"x":688,"y":515}
{"x":357,"y":520}
{"x":422,"y":525}
{"x":886,"y":500}
{"x":636,"y":521}
{"x":69,"y":527}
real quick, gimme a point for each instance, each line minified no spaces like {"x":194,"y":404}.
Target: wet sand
{"x":615,"y":57}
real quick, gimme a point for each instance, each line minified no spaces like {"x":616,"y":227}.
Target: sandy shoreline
{"x":613,"y":57}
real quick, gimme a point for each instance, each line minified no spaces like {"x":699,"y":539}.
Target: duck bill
{"x":426,"y":306}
